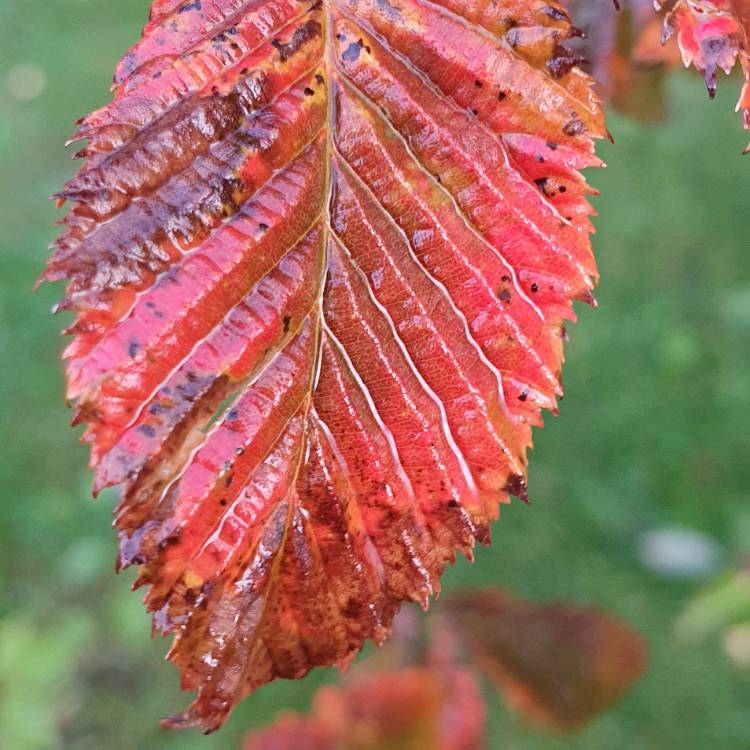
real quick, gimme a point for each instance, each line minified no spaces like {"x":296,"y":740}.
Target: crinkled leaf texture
{"x":438,"y":708}
{"x":321,"y":255}
{"x":713,"y":35}
{"x":558,"y":664}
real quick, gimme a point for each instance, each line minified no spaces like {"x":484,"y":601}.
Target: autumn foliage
{"x":557,"y":664}
{"x":321,"y":257}
{"x":713,"y":35}
{"x":410,"y":709}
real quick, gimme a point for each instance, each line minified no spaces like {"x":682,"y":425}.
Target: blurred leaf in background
{"x":407,"y":709}
{"x":652,"y":433}
{"x":558,"y":664}
{"x":718,"y":608}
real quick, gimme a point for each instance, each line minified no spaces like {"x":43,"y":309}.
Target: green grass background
{"x":653,"y":432}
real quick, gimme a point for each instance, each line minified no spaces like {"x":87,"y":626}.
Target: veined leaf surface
{"x":321,"y":256}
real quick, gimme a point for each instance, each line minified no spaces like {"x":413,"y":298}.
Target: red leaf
{"x":321,"y":256}
{"x":712,"y":35}
{"x":411,"y":709}
{"x":558,"y":664}
{"x":293,"y":732}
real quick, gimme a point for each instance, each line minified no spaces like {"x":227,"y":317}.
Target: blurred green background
{"x":653,"y":432}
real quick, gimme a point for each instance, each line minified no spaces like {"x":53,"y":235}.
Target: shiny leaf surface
{"x":321,"y":256}
{"x":558,"y":664}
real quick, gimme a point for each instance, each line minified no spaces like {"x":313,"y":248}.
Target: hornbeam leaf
{"x":558,"y":664}
{"x":713,"y":35}
{"x":321,"y":255}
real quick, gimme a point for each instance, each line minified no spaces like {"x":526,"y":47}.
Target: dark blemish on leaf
{"x":562,"y":189}
{"x":195,"y":5}
{"x":301,"y":35}
{"x":147,"y":430}
{"x":263,"y":226}
{"x":563,"y":62}
{"x":388,"y":10}
{"x":505,"y":278}
{"x":133,"y":349}
{"x":452,"y":503}
{"x":232,"y":415}
{"x":319,"y":78}
{"x":551,"y":145}
{"x":540,"y":158}
{"x":223,"y":502}
{"x":505,"y":295}
{"x":541,"y":183}
{"x":523,"y":396}
{"x":534,"y":288}
{"x":287,"y":320}
{"x":501,"y":95}
{"x":574,"y":127}
{"x":309,"y":91}
{"x":239,"y":450}
{"x":516,"y":485}
{"x":353,"y":51}
{"x":352,"y":610}
{"x":555,"y":13}
{"x":478,"y":83}
{"x":475,"y":112}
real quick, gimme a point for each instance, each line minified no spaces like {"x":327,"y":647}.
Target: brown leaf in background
{"x":558,"y":664}
{"x":624,"y":54}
